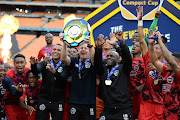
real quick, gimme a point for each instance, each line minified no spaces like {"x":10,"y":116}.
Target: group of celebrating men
{"x":106,"y":82}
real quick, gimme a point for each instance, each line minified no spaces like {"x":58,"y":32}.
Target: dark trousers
{"x":82,"y":111}
{"x":55,"y":108}
{"x":117,"y":114}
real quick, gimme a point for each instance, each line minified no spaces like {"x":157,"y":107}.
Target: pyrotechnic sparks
{"x":8,"y":26}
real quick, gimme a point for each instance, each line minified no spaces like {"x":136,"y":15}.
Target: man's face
{"x":136,"y":49}
{"x":157,"y":50}
{"x":84,"y":51}
{"x":2,"y":72}
{"x":7,"y":66}
{"x":72,"y":52}
{"x":112,"y":58}
{"x":19,"y":64}
{"x":32,"y":80}
{"x":135,"y":38}
{"x":49,"y":39}
{"x":107,"y":45}
{"x":56,"y":52}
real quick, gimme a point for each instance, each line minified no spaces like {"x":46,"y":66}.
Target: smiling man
{"x":54,"y":77}
{"x":18,"y":75}
{"x":114,"y":79}
{"x":7,"y":84}
{"x":83,"y":87}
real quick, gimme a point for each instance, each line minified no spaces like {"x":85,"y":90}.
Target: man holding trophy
{"x":83,"y":87}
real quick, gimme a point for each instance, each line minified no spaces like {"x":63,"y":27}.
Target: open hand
{"x":50,"y":68}
{"x":112,"y":39}
{"x":139,"y":12}
{"x":100,"y":40}
{"x":119,"y":35}
{"x":20,"y":87}
{"x":33,"y":60}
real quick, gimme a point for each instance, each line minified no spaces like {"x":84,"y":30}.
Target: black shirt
{"x":116,"y":95}
{"x":53,"y":85}
{"x":83,"y":91}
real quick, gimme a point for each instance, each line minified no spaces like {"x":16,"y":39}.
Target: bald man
{"x":7,"y":66}
{"x":114,"y":80}
{"x":46,"y":50}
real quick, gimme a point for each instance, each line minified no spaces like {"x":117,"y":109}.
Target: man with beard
{"x":114,"y":79}
{"x":54,"y":77}
{"x":83,"y":87}
{"x":7,"y":84}
{"x":46,"y":50}
{"x":18,"y":75}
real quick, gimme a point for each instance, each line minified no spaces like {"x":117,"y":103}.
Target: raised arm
{"x":91,"y":48}
{"x":36,"y":68}
{"x":142,"y":42}
{"x":65,"y":59}
{"x":152,"y":55}
{"x":126,"y":56}
{"x":153,"y":25}
{"x":98,"y":63}
{"x":167,"y":55}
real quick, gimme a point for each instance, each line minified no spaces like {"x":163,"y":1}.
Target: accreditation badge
{"x":88,"y":65}
{"x":42,"y":107}
{"x":73,"y":110}
{"x":60,"y":69}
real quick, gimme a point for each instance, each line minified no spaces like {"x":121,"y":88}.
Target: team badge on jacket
{"x":88,"y":65}
{"x":136,"y":67}
{"x":102,"y":118}
{"x":60,"y":69}
{"x":170,"y":80}
{"x":73,"y":110}
{"x":42,"y":107}
{"x":116,"y":72}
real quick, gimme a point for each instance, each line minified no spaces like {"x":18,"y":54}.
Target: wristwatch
{"x":89,"y":46}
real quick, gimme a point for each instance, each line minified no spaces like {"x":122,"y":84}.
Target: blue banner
{"x":109,"y":18}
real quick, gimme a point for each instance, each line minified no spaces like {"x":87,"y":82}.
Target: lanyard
{"x":18,"y":77}
{"x":32,"y":92}
{"x":57,"y":65}
{"x":112,"y":71}
{"x":81,"y":65}
{"x":104,"y":56}
{"x":49,"y":52}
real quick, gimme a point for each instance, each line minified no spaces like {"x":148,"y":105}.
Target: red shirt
{"x":136,"y":76}
{"x":152,"y":91}
{"x":10,"y":99}
{"x":32,"y":100}
{"x":171,"y":92}
{"x":44,"y":52}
